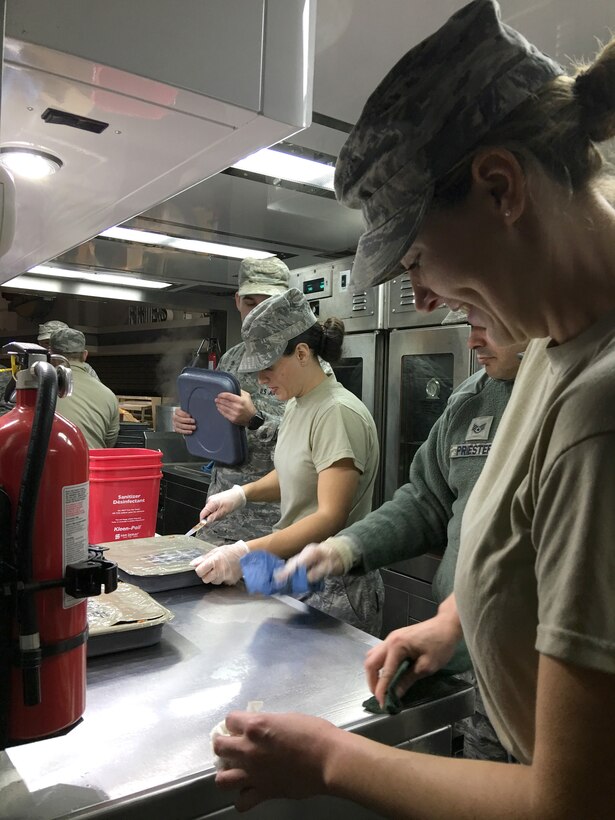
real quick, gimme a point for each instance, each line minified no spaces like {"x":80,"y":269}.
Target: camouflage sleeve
{"x":270,"y":408}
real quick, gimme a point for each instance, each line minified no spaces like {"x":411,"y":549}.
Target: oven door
{"x":361,"y":370}
{"x":425,"y":365}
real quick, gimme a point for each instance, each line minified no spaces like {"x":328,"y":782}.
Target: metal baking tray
{"x":127,"y":618}
{"x":159,"y":563}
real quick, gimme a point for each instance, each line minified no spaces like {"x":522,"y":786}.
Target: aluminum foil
{"x":161,"y":555}
{"x":127,"y":607}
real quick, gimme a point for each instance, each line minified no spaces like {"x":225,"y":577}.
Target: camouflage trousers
{"x":480,"y":741}
{"x":251,"y":521}
{"x":356,"y":599}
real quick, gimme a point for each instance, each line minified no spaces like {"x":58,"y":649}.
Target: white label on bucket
{"x":74,"y":529}
{"x":128,"y":515}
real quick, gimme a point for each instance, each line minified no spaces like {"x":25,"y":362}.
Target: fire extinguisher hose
{"x":29,"y":638}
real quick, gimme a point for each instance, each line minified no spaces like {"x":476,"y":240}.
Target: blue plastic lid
{"x":215,"y":437}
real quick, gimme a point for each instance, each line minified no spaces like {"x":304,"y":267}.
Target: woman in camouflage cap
{"x":476,"y":166}
{"x":325,"y":460}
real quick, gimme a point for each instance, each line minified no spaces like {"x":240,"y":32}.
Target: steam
{"x":171,"y":364}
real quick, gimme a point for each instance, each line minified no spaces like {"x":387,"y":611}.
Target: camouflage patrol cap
{"x":45,"y":330}
{"x":440,"y":99}
{"x":67,"y":340}
{"x":268,"y":328}
{"x":267,"y":277}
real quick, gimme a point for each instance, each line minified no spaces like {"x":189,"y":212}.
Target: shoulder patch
{"x":479,"y":428}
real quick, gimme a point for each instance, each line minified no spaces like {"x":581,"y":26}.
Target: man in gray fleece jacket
{"x":425,"y":514}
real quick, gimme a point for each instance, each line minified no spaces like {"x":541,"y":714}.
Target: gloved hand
{"x":219,"y":505}
{"x":221,"y":564}
{"x":335,"y":556}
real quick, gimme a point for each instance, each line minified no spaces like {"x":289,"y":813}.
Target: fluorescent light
{"x":177,"y":243}
{"x":29,"y":163}
{"x":100,"y":278}
{"x":35,"y":283}
{"x":280,"y":165}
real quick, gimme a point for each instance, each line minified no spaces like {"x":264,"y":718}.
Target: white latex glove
{"x":221,"y":564}
{"x":219,"y":505}
{"x":222,"y":729}
{"x":335,"y":556}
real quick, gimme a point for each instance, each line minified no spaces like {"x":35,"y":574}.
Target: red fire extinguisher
{"x":45,"y":571}
{"x":213,"y":354}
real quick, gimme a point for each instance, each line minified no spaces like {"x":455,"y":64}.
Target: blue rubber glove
{"x":259,"y":573}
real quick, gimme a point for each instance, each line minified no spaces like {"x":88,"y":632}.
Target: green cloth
{"x":421,"y":691}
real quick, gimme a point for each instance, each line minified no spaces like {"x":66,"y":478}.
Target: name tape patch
{"x":469,"y":449}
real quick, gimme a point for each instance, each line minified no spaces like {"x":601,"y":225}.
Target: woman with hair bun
{"x":477,"y":168}
{"x":325,"y":460}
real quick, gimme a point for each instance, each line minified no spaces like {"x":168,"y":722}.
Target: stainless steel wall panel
{"x":401,"y":307}
{"x":327,"y":287}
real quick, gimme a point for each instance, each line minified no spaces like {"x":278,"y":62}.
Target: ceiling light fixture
{"x":29,"y":163}
{"x":38,"y":285}
{"x":103,"y":278}
{"x":281,"y":165}
{"x":177,"y":243}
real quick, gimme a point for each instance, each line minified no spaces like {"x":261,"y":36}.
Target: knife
{"x":197,"y":528}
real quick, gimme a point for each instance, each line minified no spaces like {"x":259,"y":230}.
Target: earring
{"x":507,"y":213}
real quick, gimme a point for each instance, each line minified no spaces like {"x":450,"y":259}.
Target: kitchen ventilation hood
{"x":140,"y":100}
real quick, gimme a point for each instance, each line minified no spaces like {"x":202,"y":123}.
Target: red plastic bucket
{"x":124,"y":491}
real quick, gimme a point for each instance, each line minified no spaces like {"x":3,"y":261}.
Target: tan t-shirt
{"x":92,"y":407}
{"x":318,"y":429}
{"x":536,"y":569}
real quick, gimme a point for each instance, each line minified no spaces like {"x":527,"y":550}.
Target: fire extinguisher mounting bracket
{"x":86,"y":578}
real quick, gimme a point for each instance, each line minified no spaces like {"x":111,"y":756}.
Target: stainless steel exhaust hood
{"x":141,"y":100}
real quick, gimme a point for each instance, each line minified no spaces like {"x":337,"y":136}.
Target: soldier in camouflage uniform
{"x":256,"y":409}
{"x":44,"y":336}
{"x":476,"y":147}
{"x":325,"y":460}
{"x":425,"y":514}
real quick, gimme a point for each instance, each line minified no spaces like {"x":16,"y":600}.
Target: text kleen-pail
{"x":124,"y":491}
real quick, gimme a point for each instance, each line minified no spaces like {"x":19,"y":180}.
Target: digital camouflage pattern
{"x":357,"y":600}
{"x":437,"y":102}
{"x":45,"y":330}
{"x":67,"y":340}
{"x":271,"y":325}
{"x":480,"y":741}
{"x":258,"y":277}
{"x":253,"y":520}
{"x":44,"y":334}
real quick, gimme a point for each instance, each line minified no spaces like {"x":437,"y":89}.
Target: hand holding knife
{"x":197,"y":528}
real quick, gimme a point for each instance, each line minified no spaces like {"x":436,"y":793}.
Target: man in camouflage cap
{"x":440,"y":99}
{"x":91,"y":407}
{"x":44,"y":334}
{"x":256,"y":409}
{"x":267,"y":277}
{"x":268,"y":329}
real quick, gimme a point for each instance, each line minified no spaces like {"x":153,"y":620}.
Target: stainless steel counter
{"x":143,"y":747}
